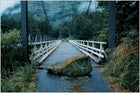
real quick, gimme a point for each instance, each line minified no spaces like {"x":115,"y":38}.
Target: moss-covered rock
{"x":74,"y":66}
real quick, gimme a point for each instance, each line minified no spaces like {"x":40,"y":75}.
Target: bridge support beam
{"x":112,"y":25}
{"x":24,"y":30}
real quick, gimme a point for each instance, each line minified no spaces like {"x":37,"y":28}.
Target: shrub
{"x":10,"y":51}
{"x":130,"y":78}
{"x":124,"y":66}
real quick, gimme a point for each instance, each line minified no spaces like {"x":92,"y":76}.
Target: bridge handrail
{"x":93,"y":48}
{"x":98,"y":42}
{"x":90,"y":49}
{"x":41,"y":50}
{"x":43,"y":42}
{"x":84,"y":46}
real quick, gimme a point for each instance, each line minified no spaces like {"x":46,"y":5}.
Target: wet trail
{"x":95,"y":82}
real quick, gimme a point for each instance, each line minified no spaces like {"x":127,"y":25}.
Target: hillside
{"x":57,"y":11}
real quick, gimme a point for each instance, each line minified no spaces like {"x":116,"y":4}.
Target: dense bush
{"x":16,"y":75}
{"x":124,"y":66}
{"x":130,"y":79}
{"x":11,"y":52}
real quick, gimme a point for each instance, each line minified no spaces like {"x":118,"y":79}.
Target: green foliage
{"x":12,"y":37}
{"x":127,"y":20}
{"x":11,"y":22}
{"x":83,"y":26}
{"x":36,"y":26}
{"x":102,"y":36}
{"x":11,"y":52}
{"x":103,"y":4}
{"x":16,"y":76}
{"x":22,"y":80}
{"x":55,"y":32}
{"x":130,"y":79}
{"x":39,"y":26}
{"x":124,"y":66}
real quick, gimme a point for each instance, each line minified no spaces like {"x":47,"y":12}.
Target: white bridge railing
{"x":40,"y":50}
{"x":91,"y":48}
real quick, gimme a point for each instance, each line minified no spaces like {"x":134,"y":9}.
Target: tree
{"x":127,"y":21}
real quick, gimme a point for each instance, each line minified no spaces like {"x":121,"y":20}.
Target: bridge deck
{"x":64,"y":51}
{"x":53,"y":83}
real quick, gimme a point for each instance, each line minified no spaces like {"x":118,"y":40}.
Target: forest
{"x":65,"y":20}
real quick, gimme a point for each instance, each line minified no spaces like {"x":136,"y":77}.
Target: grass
{"x":123,"y":69}
{"x":21,"y":80}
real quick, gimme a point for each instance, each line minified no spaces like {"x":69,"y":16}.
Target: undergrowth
{"x":123,"y":67}
{"x":11,"y":52}
{"x":22,"y":80}
{"x":16,"y":75}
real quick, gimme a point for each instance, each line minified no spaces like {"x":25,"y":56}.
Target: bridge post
{"x":29,"y":38}
{"x":93,"y":44}
{"x":40,"y":38}
{"x":35,"y":38}
{"x":87,"y":43}
{"x":24,"y":30}
{"x":111,"y":19}
{"x":46,"y":38}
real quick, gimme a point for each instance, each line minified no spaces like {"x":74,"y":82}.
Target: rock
{"x":74,"y":66}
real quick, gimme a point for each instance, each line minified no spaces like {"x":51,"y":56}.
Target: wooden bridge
{"x":40,"y":49}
